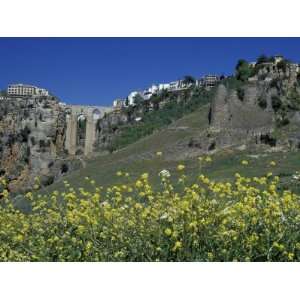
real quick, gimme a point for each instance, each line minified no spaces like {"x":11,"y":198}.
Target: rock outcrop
{"x":32,"y":133}
{"x":262,"y":112}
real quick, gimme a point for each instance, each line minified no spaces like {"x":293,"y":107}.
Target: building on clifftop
{"x":26,"y":90}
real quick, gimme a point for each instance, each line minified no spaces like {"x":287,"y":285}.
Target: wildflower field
{"x":247,"y":219}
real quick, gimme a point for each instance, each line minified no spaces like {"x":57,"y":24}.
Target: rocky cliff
{"x":261,"y":112}
{"x":32,"y":133}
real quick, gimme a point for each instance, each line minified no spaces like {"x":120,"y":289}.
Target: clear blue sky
{"x":97,"y":70}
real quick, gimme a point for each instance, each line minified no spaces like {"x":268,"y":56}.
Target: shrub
{"x":247,"y":220}
{"x":275,"y":83}
{"x":264,"y":59}
{"x":282,"y":65}
{"x":25,"y":134}
{"x":262,"y":102}
{"x":276,"y":103}
{"x":294,"y":99}
{"x":241,"y":93}
{"x":281,"y":122}
{"x":243,"y":70}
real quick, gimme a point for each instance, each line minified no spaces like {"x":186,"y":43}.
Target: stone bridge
{"x":89,"y":116}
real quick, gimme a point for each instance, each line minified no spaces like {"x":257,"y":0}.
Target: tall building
{"x":209,"y":80}
{"x":25,"y":90}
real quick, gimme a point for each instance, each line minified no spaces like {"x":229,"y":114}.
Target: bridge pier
{"x":92,"y":115}
{"x":90,"y":135}
{"x":71,"y":134}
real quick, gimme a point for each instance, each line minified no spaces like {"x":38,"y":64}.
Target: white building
{"x":148,"y":93}
{"x":25,"y":90}
{"x":41,"y":92}
{"x":278,"y":58}
{"x":163,"y":86}
{"x":131,"y":97}
{"x":174,"y":85}
{"x":119,"y":103}
{"x":208,"y":81}
{"x":153,"y":89}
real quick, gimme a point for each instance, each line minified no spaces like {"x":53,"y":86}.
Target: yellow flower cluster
{"x":247,"y":219}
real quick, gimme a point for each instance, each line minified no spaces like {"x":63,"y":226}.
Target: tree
{"x":155,"y":100}
{"x":129,"y":111}
{"x":276,"y":103}
{"x":188,"y":79}
{"x":265,"y":59}
{"x":126,"y":102}
{"x":243,"y":70}
{"x":262,"y":59}
{"x":282,"y":65}
{"x":3,"y":93}
{"x":138,"y":101}
{"x":164,"y":93}
{"x":146,"y":106}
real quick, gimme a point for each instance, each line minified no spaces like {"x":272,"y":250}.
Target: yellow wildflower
{"x":180,"y":167}
{"x":177,"y":246}
{"x":168,"y":231}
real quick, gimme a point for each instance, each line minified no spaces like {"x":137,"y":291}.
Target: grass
{"x":141,"y":157}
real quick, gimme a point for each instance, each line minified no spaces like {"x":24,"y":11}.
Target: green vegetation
{"x":195,"y":219}
{"x":3,"y":93}
{"x":141,"y":156}
{"x":188,"y":79}
{"x":243,"y":70}
{"x":265,"y":59}
{"x":172,"y":110}
{"x":293,"y":98}
{"x":276,"y":103}
{"x":241,"y":93}
{"x":282,"y":65}
{"x":262,"y":102}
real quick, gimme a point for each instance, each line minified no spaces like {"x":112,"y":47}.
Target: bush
{"x":275,"y":83}
{"x":282,"y":65}
{"x":294,"y":99}
{"x":243,"y":70}
{"x":241,"y":93}
{"x":264,"y":59}
{"x":276,"y":103}
{"x":247,"y":220}
{"x":282,"y":122}
{"x":262,"y":102}
{"x":25,"y":134}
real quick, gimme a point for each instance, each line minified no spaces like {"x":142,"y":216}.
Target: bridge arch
{"x":81,"y":128}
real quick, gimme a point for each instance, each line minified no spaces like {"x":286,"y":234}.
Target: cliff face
{"x":107,"y":129}
{"x":32,"y":133}
{"x":264,"y":111}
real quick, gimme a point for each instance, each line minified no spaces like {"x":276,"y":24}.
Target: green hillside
{"x":172,"y":141}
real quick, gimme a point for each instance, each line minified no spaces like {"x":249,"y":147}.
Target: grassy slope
{"x":140,"y":157}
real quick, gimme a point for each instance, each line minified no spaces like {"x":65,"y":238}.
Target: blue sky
{"x":98,"y":70}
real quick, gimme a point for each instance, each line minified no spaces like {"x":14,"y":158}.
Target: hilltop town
{"x":207,"y":81}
